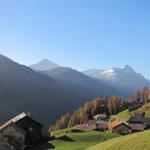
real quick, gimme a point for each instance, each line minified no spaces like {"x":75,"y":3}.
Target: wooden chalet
{"x":101,"y":125}
{"x":90,"y":125}
{"x":120,"y":127}
{"x":100,"y":117}
{"x":139,"y":114}
{"x":138,"y":122}
{"x":23,"y":129}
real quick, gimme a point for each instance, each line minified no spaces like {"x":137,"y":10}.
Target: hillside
{"x":24,"y":90}
{"x":77,"y":140}
{"x":126,"y":114}
{"x":122,"y":115}
{"x":81,"y":84}
{"x":145,"y":108}
{"x":137,"y":141}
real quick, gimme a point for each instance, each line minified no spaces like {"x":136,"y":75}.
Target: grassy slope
{"x":78,"y":141}
{"x":146,"y":109}
{"x":126,"y":114}
{"x":137,"y":141}
{"x":83,"y":140}
{"x":122,"y":115}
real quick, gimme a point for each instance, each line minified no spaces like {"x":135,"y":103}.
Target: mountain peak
{"x":45,"y":60}
{"x":128,"y":68}
{"x":44,"y":64}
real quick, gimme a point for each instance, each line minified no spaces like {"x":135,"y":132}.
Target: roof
{"x":138,"y":127}
{"x":139,"y":113}
{"x":85,"y":127}
{"x":137,"y":119}
{"x":19,"y":117}
{"x":116,"y":123}
{"x":13,"y":120}
{"x":103,"y":116}
{"x":101,"y":122}
{"x":16,"y":119}
{"x":91,"y":122}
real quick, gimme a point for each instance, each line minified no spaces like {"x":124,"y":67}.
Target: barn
{"x":23,"y":129}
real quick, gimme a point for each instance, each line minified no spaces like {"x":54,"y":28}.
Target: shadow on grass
{"x":45,"y":147}
{"x":65,"y":138}
{"x":76,"y":130}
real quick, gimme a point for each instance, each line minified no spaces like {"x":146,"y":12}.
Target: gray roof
{"x":16,"y":119}
{"x":101,"y":122}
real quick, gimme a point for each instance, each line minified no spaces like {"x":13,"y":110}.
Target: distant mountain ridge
{"x":125,"y":77}
{"x":81,"y":84}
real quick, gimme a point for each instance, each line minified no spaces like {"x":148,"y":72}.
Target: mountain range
{"x":47,"y":90}
{"x":124,"y":78}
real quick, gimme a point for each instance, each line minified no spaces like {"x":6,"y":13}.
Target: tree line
{"x":109,"y":106}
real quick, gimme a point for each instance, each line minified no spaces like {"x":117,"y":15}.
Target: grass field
{"x":145,"y":108}
{"x":137,"y":141}
{"x":77,"y":140}
{"x":125,"y":115}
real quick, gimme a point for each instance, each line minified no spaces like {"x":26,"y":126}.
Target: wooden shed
{"x":120,"y":127}
{"x":137,"y":123}
{"x":23,"y":129}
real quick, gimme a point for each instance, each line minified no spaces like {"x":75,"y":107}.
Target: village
{"x":136,"y":123}
{"x":24,"y":133}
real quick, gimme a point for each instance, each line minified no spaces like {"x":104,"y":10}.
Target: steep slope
{"x":137,"y":141}
{"x":124,"y":78}
{"x":22,"y":89}
{"x":81,"y":84}
{"x":45,"y":64}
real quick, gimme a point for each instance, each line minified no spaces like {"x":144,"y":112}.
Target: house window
{"x":30,"y":129}
{"x":20,"y":139}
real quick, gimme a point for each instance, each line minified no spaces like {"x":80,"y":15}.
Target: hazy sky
{"x":81,"y":34}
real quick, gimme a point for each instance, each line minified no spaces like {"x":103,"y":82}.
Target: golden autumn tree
{"x":145,"y":92}
{"x":138,"y":95}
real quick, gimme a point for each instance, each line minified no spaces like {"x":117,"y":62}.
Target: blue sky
{"x":81,"y":34}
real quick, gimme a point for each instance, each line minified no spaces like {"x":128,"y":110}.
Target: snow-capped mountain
{"x":124,"y":77}
{"x":43,"y":65}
